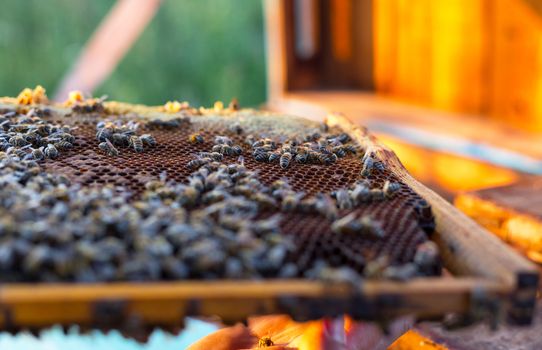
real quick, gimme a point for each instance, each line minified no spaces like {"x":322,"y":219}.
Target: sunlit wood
{"x":510,"y":213}
{"x":469,"y":56}
{"x":341,"y":29}
{"x":447,"y":172}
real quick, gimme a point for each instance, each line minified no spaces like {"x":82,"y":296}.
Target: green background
{"x":194,"y":50}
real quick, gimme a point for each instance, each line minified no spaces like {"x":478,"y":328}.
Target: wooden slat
{"x":167,"y":303}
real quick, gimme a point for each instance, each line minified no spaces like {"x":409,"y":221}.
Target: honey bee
{"x":376,"y":267}
{"x":195,"y":138}
{"x":280,"y":184}
{"x":301,"y":158}
{"x":265,"y":142}
{"x":361,"y":193}
{"x":343,"y":138}
{"x":148,"y":140}
{"x":236,"y":149}
{"x":265,"y":342}
{"x":273,"y":157}
{"x":108,"y":148}
{"x":427,"y":257}
{"x":18,"y":128}
{"x":214,"y":196}
{"x":199,"y":162}
{"x":120,"y":139}
{"x":66,"y":137}
{"x":403,"y":272}
{"x":285,"y":159}
{"x":351,"y":149}
{"x":51,"y":151}
{"x":136,"y":143}
{"x":343,"y":199}
{"x":271,"y":224}
{"x":103,"y":133}
{"x":236,"y":128}
{"x":43,"y":129}
{"x":377,"y":194}
{"x":63,"y":145}
{"x":188,"y":196}
{"x":169,"y":123}
{"x":368,"y":165}
{"x":327,"y":159}
{"x":223,"y":140}
{"x":261,"y":156}
{"x":37,"y":153}
{"x":346,"y":225}
{"x":18,"y":140}
{"x":19,"y":152}
{"x":365,"y":225}
{"x":371,"y":227}
{"x":339,"y":151}
{"x":258,"y":143}
{"x":292,"y":200}
{"x":326,"y":206}
{"x":250,"y":140}
{"x":287,"y":148}
{"x":390,"y":188}
{"x":263,"y":200}
{"x":226,"y":149}
{"x":213,"y":155}
{"x":322,"y":145}
{"x":312,"y":137}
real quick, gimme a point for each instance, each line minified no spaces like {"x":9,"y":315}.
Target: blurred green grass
{"x":194,"y":50}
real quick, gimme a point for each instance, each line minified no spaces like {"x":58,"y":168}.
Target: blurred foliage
{"x":194,"y":50}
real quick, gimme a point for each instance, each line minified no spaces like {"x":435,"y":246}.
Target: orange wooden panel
{"x":433,"y":52}
{"x":341,"y":29}
{"x":413,"y":50}
{"x":459,"y":54}
{"x":385,"y":59}
{"x":517,"y":64}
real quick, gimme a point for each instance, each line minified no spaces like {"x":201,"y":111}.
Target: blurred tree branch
{"x":108,"y":45}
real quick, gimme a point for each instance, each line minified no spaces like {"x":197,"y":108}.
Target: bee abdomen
{"x":136,"y":143}
{"x":285,"y":159}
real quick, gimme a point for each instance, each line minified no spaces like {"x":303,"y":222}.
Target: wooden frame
{"x":490,"y":276}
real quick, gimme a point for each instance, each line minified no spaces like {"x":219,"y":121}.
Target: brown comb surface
{"x":311,"y":233}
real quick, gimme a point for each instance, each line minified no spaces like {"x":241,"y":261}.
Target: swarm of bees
{"x":222,"y":222}
{"x":113,"y":134}
{"x":30,"y":137}
{"x":313,"y":149}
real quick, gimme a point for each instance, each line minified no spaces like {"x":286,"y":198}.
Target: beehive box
{"x":489,"y":277}
{"x":513,"y":212}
